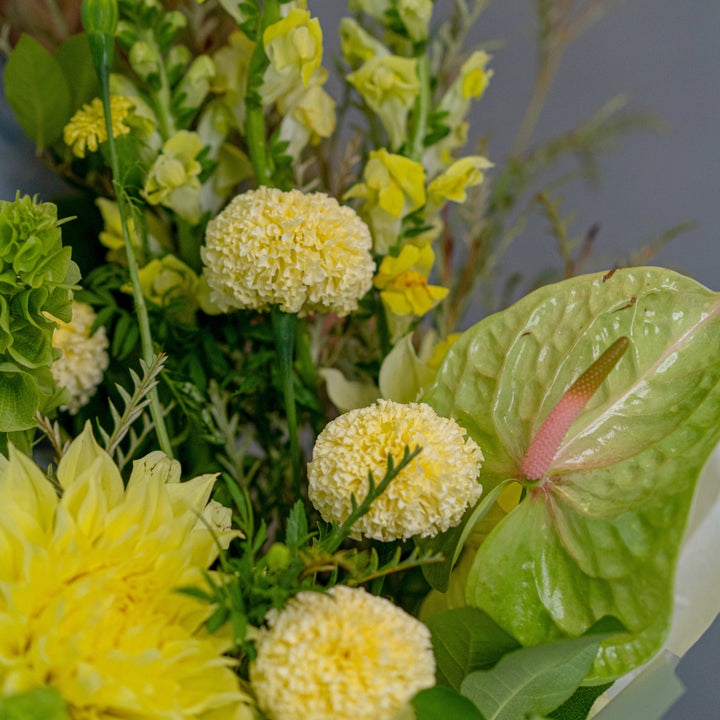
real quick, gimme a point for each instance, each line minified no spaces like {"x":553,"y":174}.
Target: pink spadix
{"x":544,"y":446}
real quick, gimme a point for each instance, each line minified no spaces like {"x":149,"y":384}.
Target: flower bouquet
{"x":249,"y":466}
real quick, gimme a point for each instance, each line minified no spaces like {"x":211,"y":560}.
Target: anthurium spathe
{"x":403,"y":285}
{"x":599,"y":533}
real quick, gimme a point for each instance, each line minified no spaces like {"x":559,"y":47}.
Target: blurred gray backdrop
{"x":665,"y":55}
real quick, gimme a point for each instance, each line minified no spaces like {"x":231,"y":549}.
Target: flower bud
{"x":100,"y":16}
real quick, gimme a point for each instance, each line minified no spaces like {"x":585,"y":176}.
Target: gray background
{"x":666,"y":55}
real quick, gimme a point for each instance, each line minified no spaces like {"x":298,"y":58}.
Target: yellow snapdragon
{"x":358,"y":46}
{"x":389,"y":85}
{"x":394,"y":187}
{"x":169,"y":280}
{"x":294,"y":49}
{"x":403,"y":285}
{"x":415,"y":15}
{"x":454,"y":182}
{"x":174,"y":180}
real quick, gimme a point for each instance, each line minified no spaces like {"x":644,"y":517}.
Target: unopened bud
{"x":100,"y":16}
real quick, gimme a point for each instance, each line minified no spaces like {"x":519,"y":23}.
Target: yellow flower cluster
{"x":84,"y":359}
{"x":89,"y":602}
{"x":302,"y":252}
{"x":86,"y":129}
{"x":429,"y":496}
{"x":346,"y":655}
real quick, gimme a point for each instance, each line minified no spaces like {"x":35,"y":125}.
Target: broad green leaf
{"x":533,"y":680}
{"x":37,"y":91}
{"x":465,"y":640}
{"x":599,"y":535}
{"x":74,"y":58}
{"x":441,"y":703}
{"x":43,"y":703}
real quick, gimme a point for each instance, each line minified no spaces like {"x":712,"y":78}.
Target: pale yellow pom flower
{"x":84,"y":359}
{"x":301,"y":252}
{"x":344,"y":655}
{"x":428,"y":496}
{"x":86,"y":129}
{"x":89,"y":602}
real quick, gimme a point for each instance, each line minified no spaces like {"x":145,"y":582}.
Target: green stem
{"x":422,"y":108}
{"x":162,"y":99}
{"x":102,"y":47}
{"x":254,"y":118}
{"x":284,"y":325}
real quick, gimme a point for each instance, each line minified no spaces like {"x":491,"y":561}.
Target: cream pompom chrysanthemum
{"x":428,"y":496}
{"x":88,"y":589}
{"x":84,"y":359}
{"x":346,"y":655}
{"x":301,"y":252}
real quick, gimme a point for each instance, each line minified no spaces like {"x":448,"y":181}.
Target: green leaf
{"x":19,"y":398}
{"x":531,"y":680}
{"x":43,"y":703}
{"x":578,"y":705}
{"x":599,"y":535}
{"x":465,"y":640}
{"x":441,"y":703}
{"x":74,"y":58}
{"x":37,"y":91}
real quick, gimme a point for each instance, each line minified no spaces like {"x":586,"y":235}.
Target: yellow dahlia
{"x":302,"y":252}
{"x":428,"y":496}
{"x":88,"y":589}
{"x":79,"y":369}
{"x":86,"y":129}
{"x":346,"y":655}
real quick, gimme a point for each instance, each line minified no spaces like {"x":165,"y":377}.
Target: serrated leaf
{"x":464,"y":640}
{"x":599,"y":535}
{"x":43,"y":703}
{"x":37,"y":91}
{"x":531,"y":680}
{"x":441,"y":703}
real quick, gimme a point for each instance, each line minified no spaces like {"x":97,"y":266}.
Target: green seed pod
{"x":100,"y":16}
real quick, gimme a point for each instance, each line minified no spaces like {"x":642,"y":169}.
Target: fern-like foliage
{"x":134,"y":406}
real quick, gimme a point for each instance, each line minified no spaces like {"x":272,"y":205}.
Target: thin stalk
{"x":161,"y":97}
{"x":284,"y":325}
{"x":422,"y":108}
{"x":254,"y":118}
{"x":102,"y":68}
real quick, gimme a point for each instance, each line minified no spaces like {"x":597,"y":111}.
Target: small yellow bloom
{"x":170,"y":281}
{"x":294,"y":49}
{"x":389,"y":85}
{"x":86,"y":129}
{"x":394,"y":187}
{"x":342,"y":655}
{"x":415,"y":15}
{"x":403,"y":283}
{"x":440,"y":351}
{"x":173,"y":180}
{"x":90,"y":602}
{"x":428,"y":496}
{"x":454,"y":182}
{"x":358,"y":46}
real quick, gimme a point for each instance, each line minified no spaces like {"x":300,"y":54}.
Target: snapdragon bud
{"x":100,"y":16}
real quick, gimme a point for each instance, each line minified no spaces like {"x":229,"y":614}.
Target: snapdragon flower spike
{"x":544,"y":446}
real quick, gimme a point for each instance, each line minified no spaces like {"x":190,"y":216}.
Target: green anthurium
{"x":598,"y":534}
